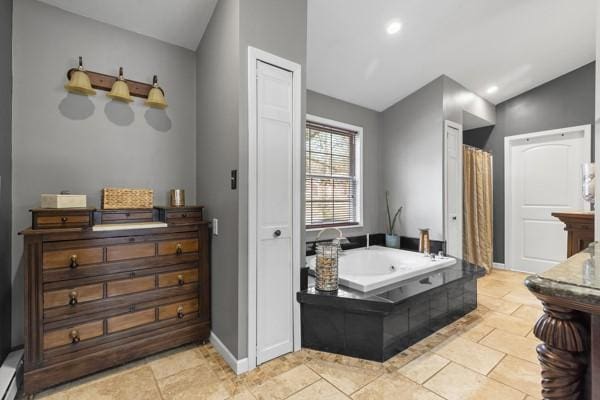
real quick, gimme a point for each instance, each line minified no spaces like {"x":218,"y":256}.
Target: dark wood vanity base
{"x":569,"y":328}
{"x":98,"y":299}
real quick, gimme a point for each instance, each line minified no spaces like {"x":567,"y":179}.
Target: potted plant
{"x":391,"y":239}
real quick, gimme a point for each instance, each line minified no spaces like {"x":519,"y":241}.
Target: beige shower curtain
{"x":478,"y":222}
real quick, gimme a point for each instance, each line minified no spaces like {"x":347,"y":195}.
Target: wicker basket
{"x":115,"y":198}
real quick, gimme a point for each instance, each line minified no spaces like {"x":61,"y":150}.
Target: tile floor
{"x":488,"y":354}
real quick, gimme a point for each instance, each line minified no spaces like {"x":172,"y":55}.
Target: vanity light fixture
{"x":156,"y":96}
{"x":79,"y":81}
{"x":120,"y":89}
{"x":393,"y":27}
{"x":492,"y":89}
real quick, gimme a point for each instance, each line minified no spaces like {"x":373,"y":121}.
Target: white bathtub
{"x":371,"y":269}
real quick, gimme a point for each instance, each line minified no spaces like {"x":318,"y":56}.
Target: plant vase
{"x":392,"y":241}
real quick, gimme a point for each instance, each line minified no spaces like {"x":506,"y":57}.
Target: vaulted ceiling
{"x":179,"y":22}
{"x":512,"y":44}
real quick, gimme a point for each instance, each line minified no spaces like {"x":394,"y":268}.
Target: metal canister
{"x":177,"y":197}
{"x":424,"y":242}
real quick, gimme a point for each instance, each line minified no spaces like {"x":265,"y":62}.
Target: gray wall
{"x":218,"y":70}
{"x":5,"y":174}
{"x":458,"y":98}
{"x":565,"y":101}
{"x":68,"y":142}
{"x":278,"y":27}
{"x":412,"y":159}
{"x":275,"y":26}
{"x":338,"y":110}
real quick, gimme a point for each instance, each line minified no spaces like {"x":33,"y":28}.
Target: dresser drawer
{"x":178,"y":310}
{"x":177,"y":278}
{"x":61,"y":218}
{"x":132,"y":285}
{"x":73,"y":335}
{"x":170,"y":247}
{"x":183,"y":217}
{"x":131,"y":320}
{"x":72,"y":257}
{"x":130,"y":251}
{"x":126,"y":216}
{"x":73,"y":296}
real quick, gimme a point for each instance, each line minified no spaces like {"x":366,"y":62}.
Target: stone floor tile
{"x":472,"y":355}
{"x":456,"y":382}
{"x":519,"y":374}
{"x":346,"y":378}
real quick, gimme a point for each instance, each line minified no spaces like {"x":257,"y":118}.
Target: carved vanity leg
{"x":563,"y":353}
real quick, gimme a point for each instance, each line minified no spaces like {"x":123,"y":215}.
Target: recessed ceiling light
{"x":492,"y":89}
{"x":393,"y":27}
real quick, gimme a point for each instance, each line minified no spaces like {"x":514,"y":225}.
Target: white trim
{"x":359,"y":154}
{"x":11,"y":367}
{"x":508,"y":143}
{"x":238,"y":366}
{"x":500,"y":265}
{"x":255,"y":55}
{"x":459,"y":128}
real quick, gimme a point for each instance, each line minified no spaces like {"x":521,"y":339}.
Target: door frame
{"x":457,"y":126}
{"x":508,"y":145}
{"x":255,"y":55}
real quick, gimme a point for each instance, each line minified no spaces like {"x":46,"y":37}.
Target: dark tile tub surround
{"x":378,"y":239}
{"x":379,"y":324}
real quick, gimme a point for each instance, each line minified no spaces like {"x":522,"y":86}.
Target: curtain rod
{"x":478,"y":149}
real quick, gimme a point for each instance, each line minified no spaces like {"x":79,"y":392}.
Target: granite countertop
{"x":385,"y":298}
{"x":577,"y":278}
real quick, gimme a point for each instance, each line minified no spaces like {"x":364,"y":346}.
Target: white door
{"x":543,"y":176}
{"x":274,"y":288}
{"x":453,"y":178}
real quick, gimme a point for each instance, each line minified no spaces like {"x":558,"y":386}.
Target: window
{"x":333,"y":171}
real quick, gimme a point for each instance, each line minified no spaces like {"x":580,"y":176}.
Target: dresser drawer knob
{"x":73,"y":298}
{"x":74,"y":335}
{"x":179,"y":249}
{"x":74,"y":261}
{"x":64,"y":219}
{"x":183,"y":215}
{"x":180,"y":313}
{"x":180,"y":280}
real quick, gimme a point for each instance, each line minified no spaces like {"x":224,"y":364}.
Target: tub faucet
{"x":337,"y":241}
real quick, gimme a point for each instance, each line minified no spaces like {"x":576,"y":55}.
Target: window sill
{"x":342,"y":227}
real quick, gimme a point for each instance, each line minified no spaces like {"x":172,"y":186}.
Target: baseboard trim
{"x":238,"y":366}
{"x":10,"y":373}
{"x":500,"y":265}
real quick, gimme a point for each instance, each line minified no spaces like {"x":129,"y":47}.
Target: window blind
{"x":331,"y":182}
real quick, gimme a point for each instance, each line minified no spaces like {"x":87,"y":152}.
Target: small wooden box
{"x":181,"y":215}
{"x":44,"y":218}
{"x":63,"y":201}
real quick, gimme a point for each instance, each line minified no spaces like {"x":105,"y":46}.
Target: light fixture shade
{"x":80,"y":82}
{"x":156,"y":97}
{"x":120,"y":90}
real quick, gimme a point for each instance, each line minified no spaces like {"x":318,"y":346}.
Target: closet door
{"x":453,"y":185}
{"x":274,"y":327}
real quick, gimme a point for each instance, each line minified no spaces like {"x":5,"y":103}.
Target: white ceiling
{"x":179,"y":22}
{"x":514,"y":44}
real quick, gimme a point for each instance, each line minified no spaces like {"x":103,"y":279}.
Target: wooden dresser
{"x":580,"y":229}
{"x":97,"y":299}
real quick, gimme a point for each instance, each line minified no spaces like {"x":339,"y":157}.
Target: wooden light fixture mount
{"x":105,"y":82}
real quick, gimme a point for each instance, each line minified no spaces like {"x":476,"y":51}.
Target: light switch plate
{"x":215,"y":227}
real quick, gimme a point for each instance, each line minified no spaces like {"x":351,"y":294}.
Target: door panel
{"x":274,"y":330}
{"x":545,"y":178}
{"x":453,"y":187}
